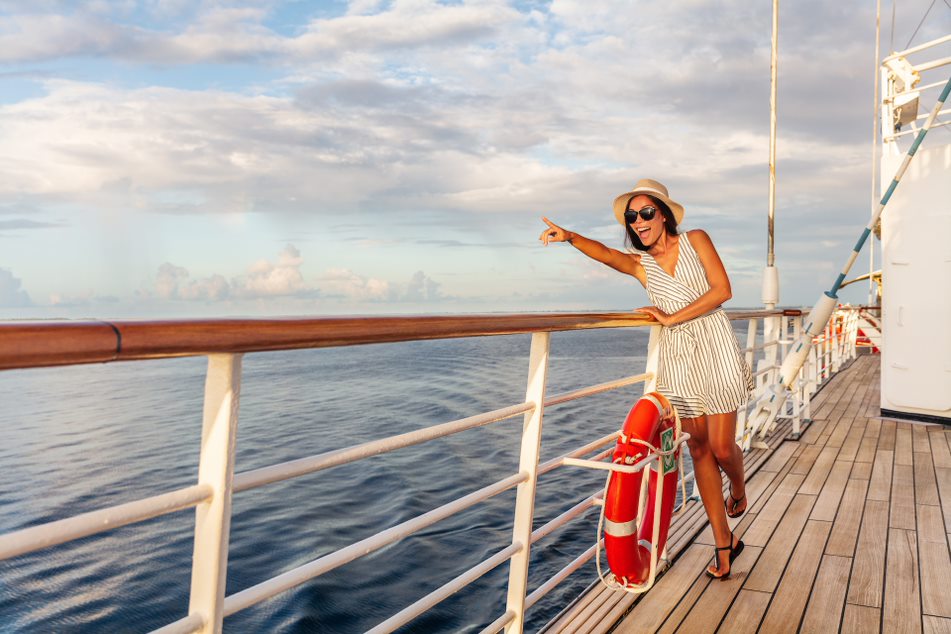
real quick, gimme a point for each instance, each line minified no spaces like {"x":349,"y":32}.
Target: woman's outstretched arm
{"x":628,"y":263}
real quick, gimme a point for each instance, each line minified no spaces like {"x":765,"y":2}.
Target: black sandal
{"x":736,"y":502}
{"x":734,"y":553}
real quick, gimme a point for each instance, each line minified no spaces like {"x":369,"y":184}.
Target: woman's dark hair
{"x":632,"y":240}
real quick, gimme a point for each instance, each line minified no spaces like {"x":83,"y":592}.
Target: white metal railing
{"x":217,"y":483}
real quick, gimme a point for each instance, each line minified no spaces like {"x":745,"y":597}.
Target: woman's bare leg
{"x":721,"y":430}
{"x":710,"y":485}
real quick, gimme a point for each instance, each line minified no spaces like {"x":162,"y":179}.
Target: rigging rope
{"x":923,"y":18}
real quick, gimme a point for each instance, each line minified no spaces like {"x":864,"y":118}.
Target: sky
{"x":185,"y":158}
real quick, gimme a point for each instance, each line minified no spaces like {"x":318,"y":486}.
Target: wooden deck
{"x":847,"y":530}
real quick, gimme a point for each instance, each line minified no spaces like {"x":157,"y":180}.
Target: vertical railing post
{"x":653,"y":359}
{"x":216,"y":469}
{"x":525,"y":495}
{"x":770,"y":336}
{"x":742,"y":433}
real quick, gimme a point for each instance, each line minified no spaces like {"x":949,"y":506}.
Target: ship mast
{"x":872,"y":287}
{"x":771,"y":274}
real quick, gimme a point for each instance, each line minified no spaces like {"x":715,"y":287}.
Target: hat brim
{"x":622,"y":201}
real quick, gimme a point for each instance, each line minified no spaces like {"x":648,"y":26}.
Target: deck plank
{"x":845,"y":530}
{"x":772,"y":562}
{"x":745,"y":614}
{"x":935,"y":562}
{"x":781,"y":456}
{"x":656,"y":605}
{"x":828,"y":596}
{"x":865,"y":585}
{"x":944,"y":489}
{"x":861,"y":471}
{"x":940,"y":453}
{"x":859,"y":619}
{"x":937,"y":625}
{"x":819,"y":472}
{"x":903,"y":453}
{"x":880,"y":485}
{"x":866,"y":452}
{"x":903,"y":498}
{"x":806,"y":459}
{"x":831,"y":493}
{"x":919,"y":438}
{"x":902,"y":609}
{"x":886,"y":439}
{"x":767,"y":519}
{"x":926,"y":487}
{"x":716,"y":599}
{"x":789,"y":600}
{"x":851,"y":445}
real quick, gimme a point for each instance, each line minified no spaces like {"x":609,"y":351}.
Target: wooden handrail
{"x":51,"y":343}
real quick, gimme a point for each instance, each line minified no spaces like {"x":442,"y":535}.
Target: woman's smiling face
{"x":649,"y":231}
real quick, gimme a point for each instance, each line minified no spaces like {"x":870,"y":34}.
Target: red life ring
{"x":628,"y":529}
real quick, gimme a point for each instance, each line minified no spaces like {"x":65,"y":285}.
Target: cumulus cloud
{"x":266,"y":279}
{"x":344,"y":283}
{"x":283,"y":278}
{"x":174,"y":282}
{"x":263,"y":279}
{"x":11,"y":293}
{"x":85,"y":298}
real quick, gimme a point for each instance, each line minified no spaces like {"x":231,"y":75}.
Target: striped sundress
{"x":701,"y":369}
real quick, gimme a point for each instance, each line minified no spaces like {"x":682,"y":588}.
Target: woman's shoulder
{"x":699,"y":234}
{"x":698,"y":238}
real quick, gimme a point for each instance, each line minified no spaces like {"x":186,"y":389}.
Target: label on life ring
{"x":667,"y":444}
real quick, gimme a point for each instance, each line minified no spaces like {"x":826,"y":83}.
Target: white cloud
{"x":265,"y":279}
{"x":346,"y":284}
{"x":11,"y":293}
{"x":173,"y":282}
{"x":283,"y":278}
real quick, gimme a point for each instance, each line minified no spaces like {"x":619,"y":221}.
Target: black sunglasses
{"x":646,"y":213}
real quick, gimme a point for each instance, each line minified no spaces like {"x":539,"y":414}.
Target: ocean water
{"x":77,"y":439}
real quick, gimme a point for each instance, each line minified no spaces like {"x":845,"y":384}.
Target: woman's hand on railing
{"x":662,"y":318}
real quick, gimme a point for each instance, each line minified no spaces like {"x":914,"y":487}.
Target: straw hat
{"x":648,"y":187}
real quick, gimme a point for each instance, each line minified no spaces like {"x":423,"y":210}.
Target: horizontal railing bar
{"x":760,"y":347}
{"x":190,"y":624}
{"x":557,"y":522}
{"x":409,"y":613}
{"x":920,"y":47}
{"x":554,"y":463}
{"x":303,"y":466}
{"x":597,"y":389}
{"x":285,"y":581}
{"x":908,"y":92}
{"x":28,"y":344}
{"x":560,"y":576}
{"x":64,"y":530}
{"x":499,"y":623}
{"x":935,"y":63}
{"x":913,"y":131}
{"x":768,"y":368}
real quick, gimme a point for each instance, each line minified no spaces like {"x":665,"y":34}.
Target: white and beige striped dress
{"x":701,"y":370}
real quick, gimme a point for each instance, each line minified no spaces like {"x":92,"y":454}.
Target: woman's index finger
{"x":549,"y":222}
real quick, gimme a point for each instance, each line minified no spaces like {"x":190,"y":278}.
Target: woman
{"x":700,"y":370}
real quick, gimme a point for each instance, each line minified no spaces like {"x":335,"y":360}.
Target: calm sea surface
{"x":81,"y":438}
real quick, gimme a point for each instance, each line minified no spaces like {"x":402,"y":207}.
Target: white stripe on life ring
{"x":657,"y":404}
{"x":620,"y":529}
